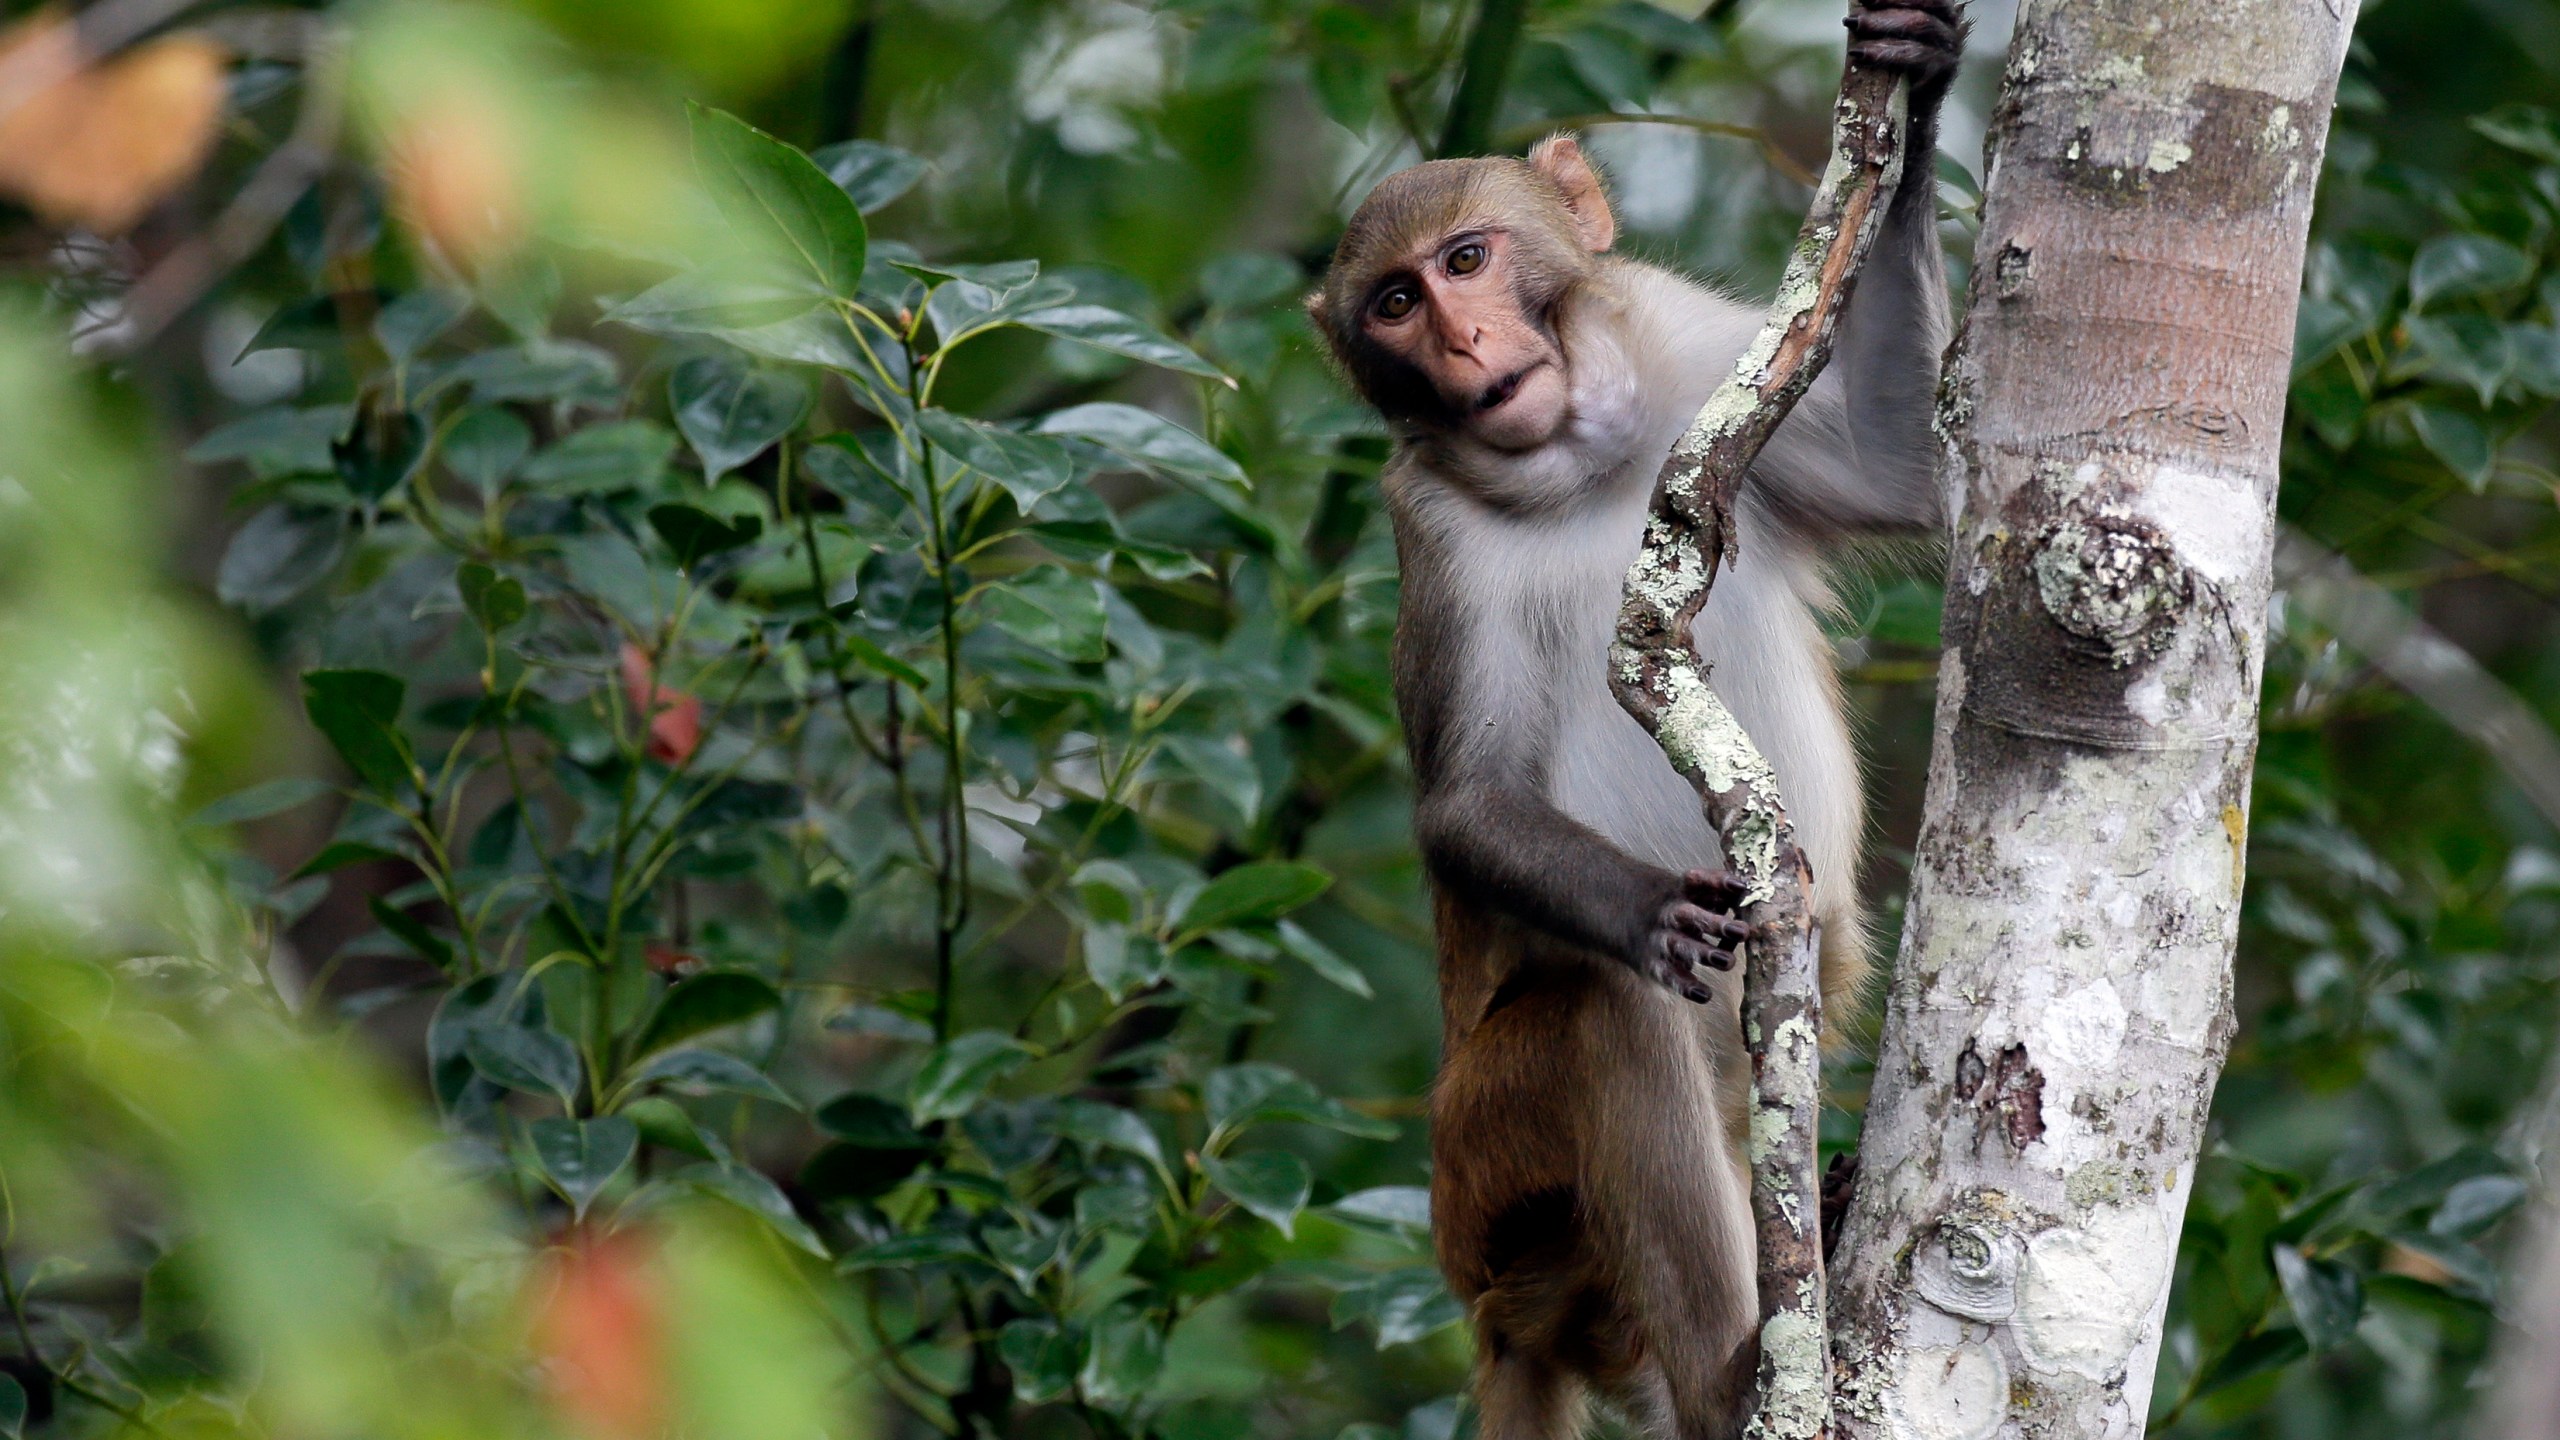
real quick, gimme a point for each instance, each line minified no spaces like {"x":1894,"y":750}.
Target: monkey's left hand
{"x":1921,"y":38}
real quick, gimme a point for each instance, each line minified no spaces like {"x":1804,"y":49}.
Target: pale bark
{"x":1657,"y":675}
{"x":2061,"y":1004}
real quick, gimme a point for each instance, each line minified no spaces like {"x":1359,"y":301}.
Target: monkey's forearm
{"x":1504,"y":849}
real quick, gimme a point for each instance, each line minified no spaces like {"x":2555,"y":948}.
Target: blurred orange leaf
{"x":601,"y":1335}
{"x":457,"y":177}
{"x":675,"y":718}
{"x":99,"y":145}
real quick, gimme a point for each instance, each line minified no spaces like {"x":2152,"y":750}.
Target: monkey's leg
{"x":1525,"y":1396}
{"x":1670,"y":1213}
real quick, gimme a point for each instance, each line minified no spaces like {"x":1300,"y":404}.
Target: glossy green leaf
{"x":701,"y":1071}
{"x":2459,"y":440}
{"x":1404,"y":1305}
{"x":760,"y":1197}
{"x":1237,"y":1096}
{"x":2448,"y":266}
{"x":494,"y":601}
{"x":2326,"y":1296}
{"x":13,"y":1407}
{"x":730,"y":411}
{"x":2473,"y":1205}
{"x":485,"y":446}
{"x":1263,"y":890}
{"x":1401,"y":1207}
{"x":869,"y":173}
{"x":1029,"y":467}
{"x":358,"y":711}
{"x":700,"y":1004}
{"x":273,"y":797}
{"x":538,"y":1062}
{"x":1307,"y":950}
{"x":2527,"y":129}
{"x":2469,"y":350}
{"x":1107,"y":1126}
{"x":1108,"y":329}
{"x":1043,"y":1356}
{"x":415,"y":320}
{"x":280,"y":440}
{"x":1271,"y":1183}
{"x":719,"y":299}
{"x":1144,"y":439}
{"x":776,"y":198}
{"x":695,"y":534}
{"x":1120,"y":962}
{"x":869,"y":1121}
{"x":339,"y":854}
{"x":280,"y":553}
{"x":957,"y":1075}
{"x":617,"y":455}
{"x":1048,"y":609}
{"x":1123,"y":1358}
{"x":581,"y":1157}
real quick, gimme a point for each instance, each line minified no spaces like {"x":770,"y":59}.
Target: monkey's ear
{"x":1559,"y":158}
{"x":1316,"y":313}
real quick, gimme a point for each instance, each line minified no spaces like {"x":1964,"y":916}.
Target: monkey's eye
{"x":1467,"y":259}
{"x":1397,"y":303}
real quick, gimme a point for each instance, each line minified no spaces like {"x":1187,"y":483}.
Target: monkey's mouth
{"x":1500,"y":391}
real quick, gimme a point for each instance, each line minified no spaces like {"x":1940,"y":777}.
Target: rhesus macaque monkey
{"x":1589,"y":1201}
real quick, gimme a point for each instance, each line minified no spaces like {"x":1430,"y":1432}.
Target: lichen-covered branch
{"x":1656,"y":673}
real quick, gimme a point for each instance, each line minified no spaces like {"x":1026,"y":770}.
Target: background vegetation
{"x":693,"y":730}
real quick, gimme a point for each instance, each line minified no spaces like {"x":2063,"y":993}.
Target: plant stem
{"x":1491,"y":47}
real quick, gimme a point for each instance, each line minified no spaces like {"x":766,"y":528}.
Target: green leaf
{"x":2253,"y":1355}
{"x":617,"y":455}
{"x":858,"y":1172}
{"x":2527,"y":129}
{"x":700,"y":1004}
{"x":581,"y":1157}
{"x":339,"y":854}
{"x":1048,"y":609}
{"x":760,"y":1197}
{"x":718,"y":299}
{"x":1108,"y":329}
{"x":1271,"y":1183}
{"x":359,"y":712}
{"x":13,"y":1408}
{"x":1106,"y":1126}
{"x":2326,"y":1296}
{"x":282,"y":552}
{"x":776,"y":197}
{"x":695,"y":534}
{"x":1029,"y":467}
{"x":409,"y":930}
{"x":1264,"y":890}
{"x":1121,"y":963}
{"x":2464,"y":350}
{"x":2536,"y":349}
{"x":2458,"y":440}
{"x":538,"y":1062}
{"x":485,"y":446}
{"x":1126,"y":1355}
{"x":566,"y":371}
{"x":386,"y":448}
{"x":1405,"y":1305}
{"x":864,"y":652}
{"x":1145,"y":440}
{"x":956,"y":1076}
{"x":705,"y":1070}
{"x":2453,"y":265}
{"x":412,"y":322}
{"x":869,"y":173}
{"x":1307,"y":950}
{"x":664,"y":1123}
{"x":278,"y":441}
{"x":1131,"y":1208}
{"x":731,"y":412}
{"x":260,"y":801}
{"x":495,"y":601}
{"x":1043,"y":1356}
{"x":1237,"y":1096}
{"x":868,"y":1121}
{"x":903,"y":1252}
{"x":2473,"y":1205}
{"x":1218,"y":763}
{"x":1399,"y":1207}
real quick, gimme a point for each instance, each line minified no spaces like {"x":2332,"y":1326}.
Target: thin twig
{"x":1660,"y":679}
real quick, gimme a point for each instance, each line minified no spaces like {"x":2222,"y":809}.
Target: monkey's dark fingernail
{"x":1698,"y":996}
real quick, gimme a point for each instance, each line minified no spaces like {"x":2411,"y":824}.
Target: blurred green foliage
{"x":659,"y":778}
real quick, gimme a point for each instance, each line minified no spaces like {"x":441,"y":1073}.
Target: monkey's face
{"x":1460,"y":315}
{"x":1444,"y":298}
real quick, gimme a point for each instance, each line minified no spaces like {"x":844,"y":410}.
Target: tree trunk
{"x":2059,"y":1012}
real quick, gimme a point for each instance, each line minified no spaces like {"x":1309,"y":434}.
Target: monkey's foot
{"x":1695,"y":930}
{"x":1839,"y":1183}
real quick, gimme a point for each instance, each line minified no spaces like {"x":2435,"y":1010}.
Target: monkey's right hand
{"x":1695,"y":930}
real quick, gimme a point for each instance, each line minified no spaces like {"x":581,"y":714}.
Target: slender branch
{"x":1658,"y":676}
